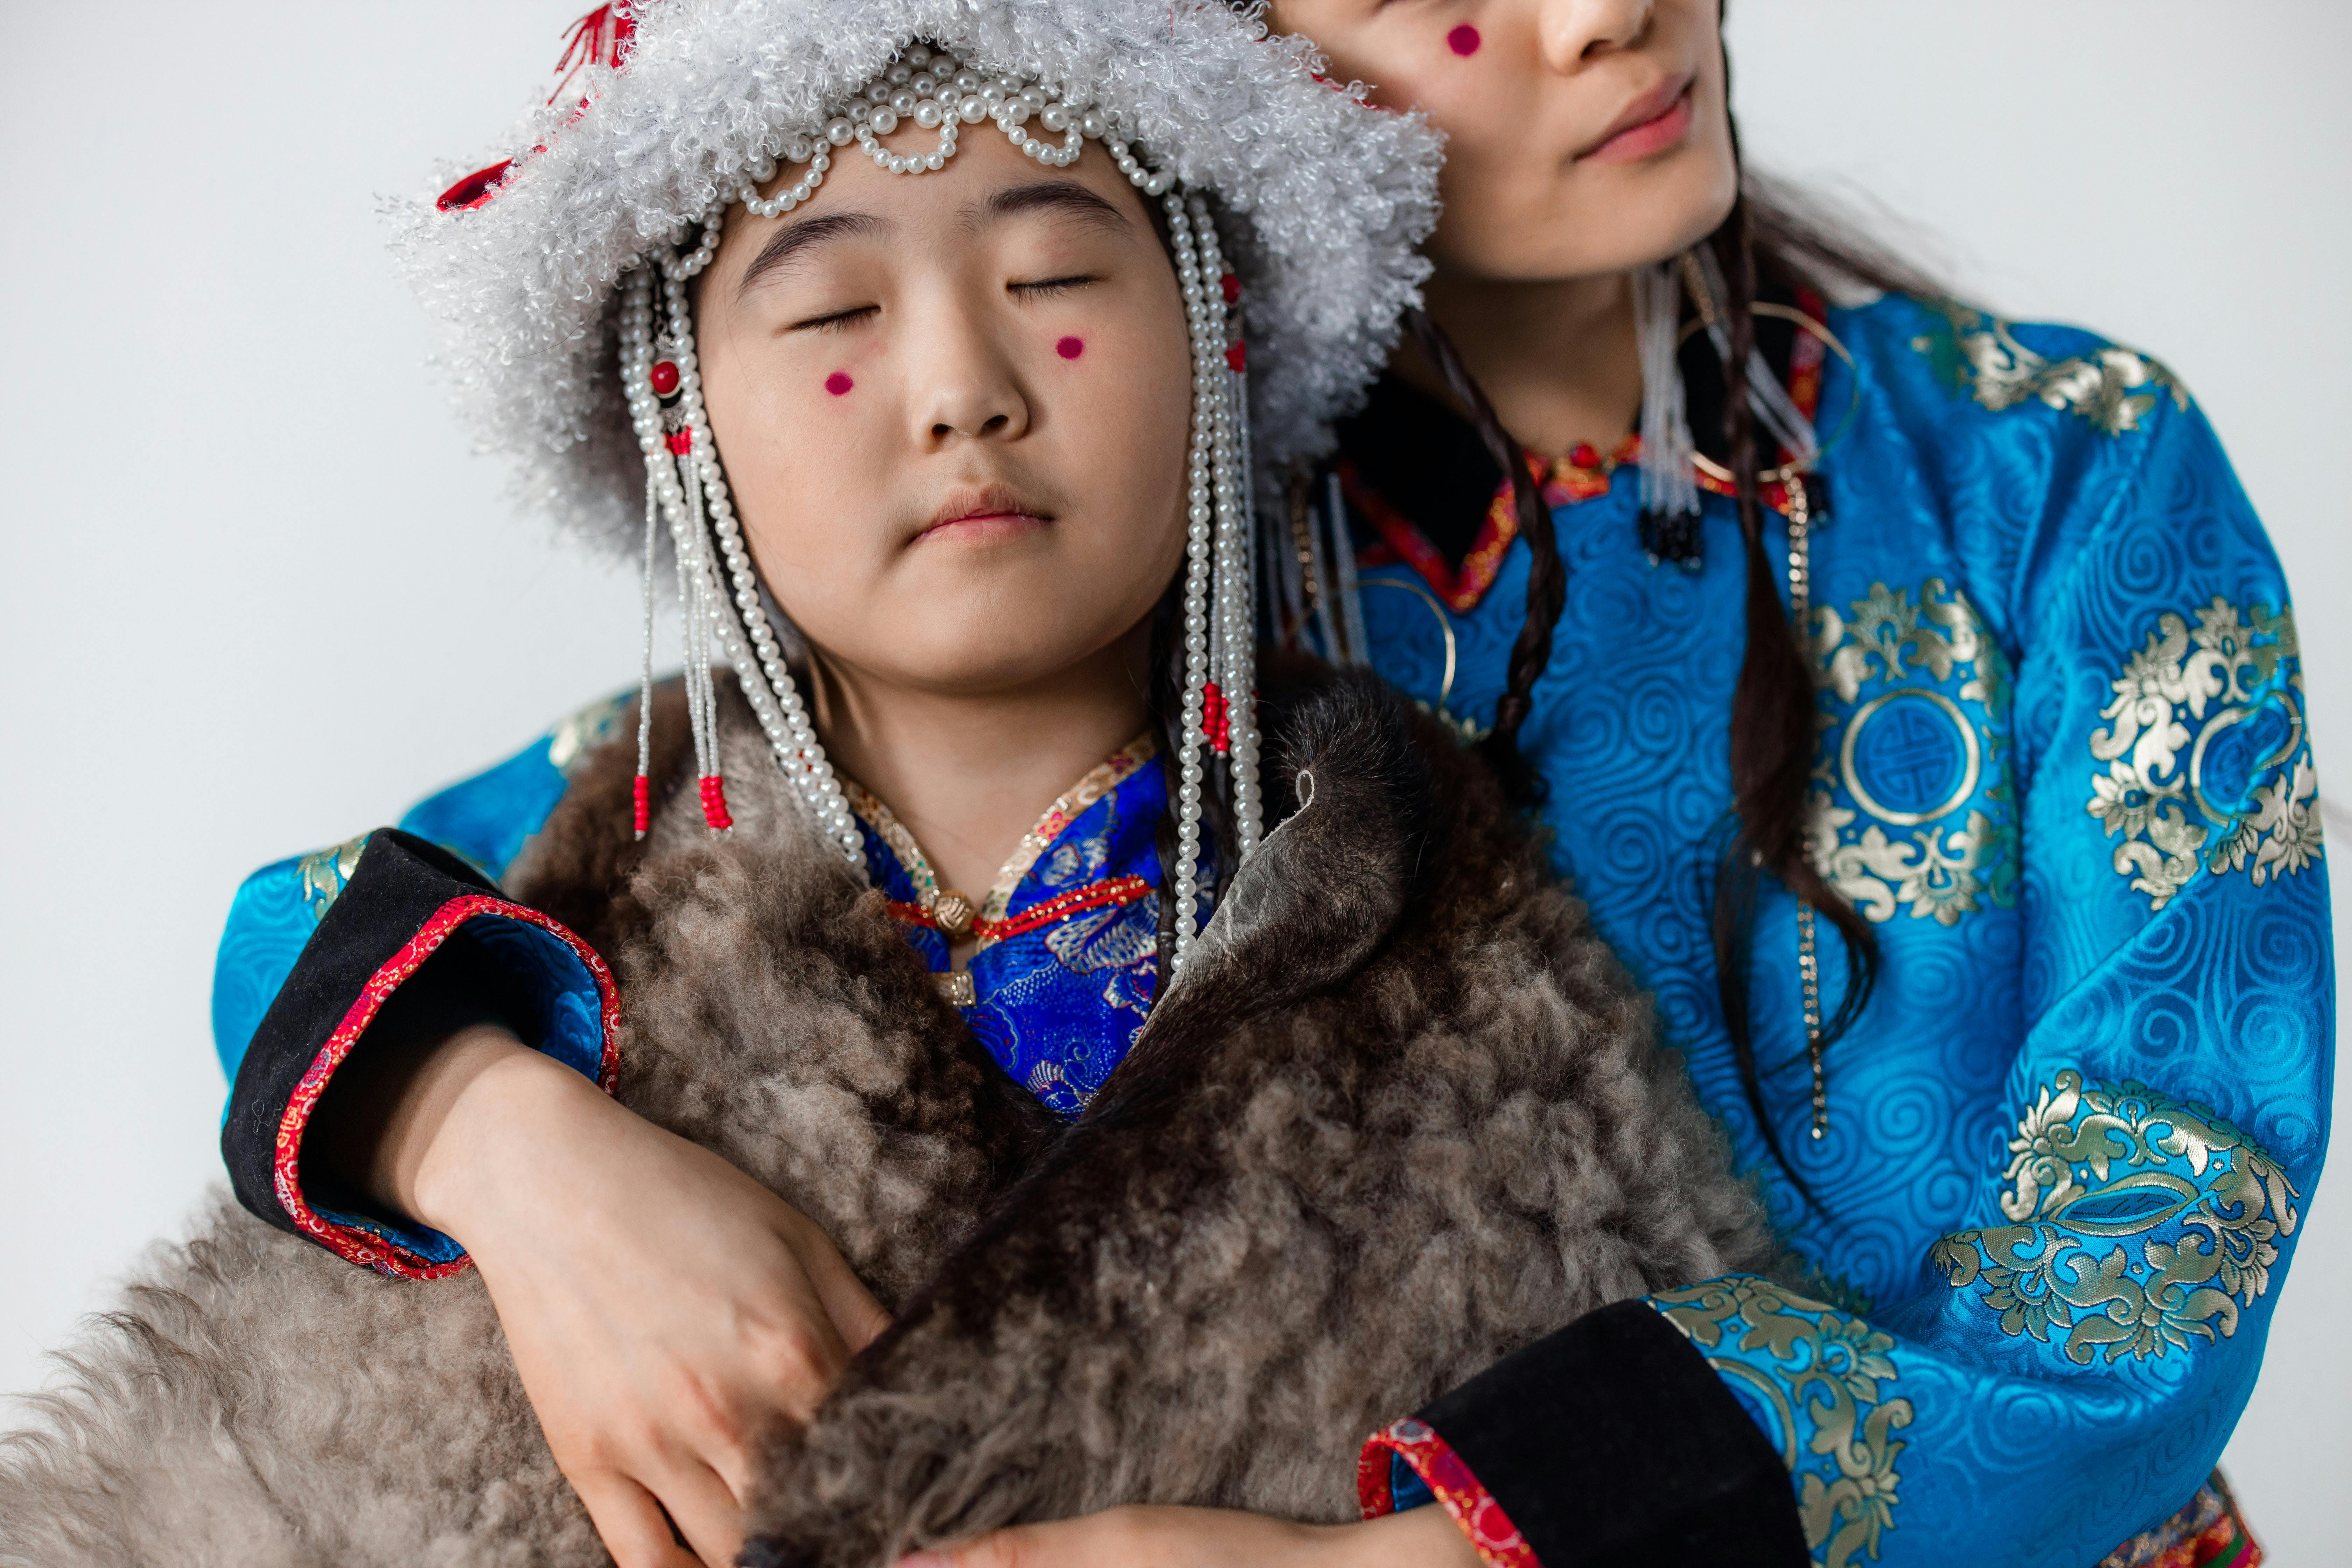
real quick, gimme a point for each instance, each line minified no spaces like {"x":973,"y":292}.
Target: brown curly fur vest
{"x":1401,"y":1114}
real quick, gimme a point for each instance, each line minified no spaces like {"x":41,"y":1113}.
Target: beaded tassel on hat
{"x":1219,"y":712}
{"x":686,"y":487}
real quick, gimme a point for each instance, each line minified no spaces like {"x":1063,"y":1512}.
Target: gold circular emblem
{"x":1914,"y":747}
{"x":2257,"y":775}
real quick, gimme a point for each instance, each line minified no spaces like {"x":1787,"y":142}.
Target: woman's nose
{"x":1573,"y":33}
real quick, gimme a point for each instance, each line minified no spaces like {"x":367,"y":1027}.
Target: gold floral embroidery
{"x":1950,"y":851}
{"x":1812,"y":1366}
{"x":2093,"y":1161}
{"x":2174,"y":813}
{"x":324,"y":872}
{"x":572,"y":739}
{"x":2113,"y":388}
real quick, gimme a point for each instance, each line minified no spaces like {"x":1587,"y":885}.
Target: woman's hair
{"x":1767,"y":233}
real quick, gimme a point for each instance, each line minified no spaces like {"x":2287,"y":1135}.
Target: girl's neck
{"x":969,"y":775}
{"x":1556,"y":357}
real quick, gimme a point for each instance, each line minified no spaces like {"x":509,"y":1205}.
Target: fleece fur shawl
{"x":1401,"y":1115}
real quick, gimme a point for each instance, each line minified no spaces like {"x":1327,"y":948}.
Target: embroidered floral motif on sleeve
{"x":2096,"y":1161}
{"x":1911,"y":805}
{"x":1825,"y":1381}
{"x":2245,"y":796}
{"x":323,"y":873}
{"x":2111,"y":387}
{"x":580,"y":734}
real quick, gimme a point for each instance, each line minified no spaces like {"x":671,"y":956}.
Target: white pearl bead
{"x":972,"y":109}
{"x":927,"y":115}
{"x":839,"y":131}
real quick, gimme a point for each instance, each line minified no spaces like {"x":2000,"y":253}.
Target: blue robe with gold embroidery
{"x":2064,"y":771}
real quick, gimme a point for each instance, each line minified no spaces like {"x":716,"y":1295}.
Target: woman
{"x":2034,"y":578}
{"x":2044,"y":959}
{"x":967,"y":403}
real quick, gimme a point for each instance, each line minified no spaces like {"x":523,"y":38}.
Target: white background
{"x":256,"y":595}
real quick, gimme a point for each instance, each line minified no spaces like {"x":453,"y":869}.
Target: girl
{"x":1387,"y":1114}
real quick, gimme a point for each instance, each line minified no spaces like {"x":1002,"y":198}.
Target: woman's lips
{"x":1653,"y":122}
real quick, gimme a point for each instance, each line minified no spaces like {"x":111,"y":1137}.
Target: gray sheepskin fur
{"x":1322,"y":203}
{"x":1403,"y":1114}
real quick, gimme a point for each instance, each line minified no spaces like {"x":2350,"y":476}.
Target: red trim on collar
{"x":1582,"y":474}
{"x":1115,"y":891}
{"x":359,"y":1245}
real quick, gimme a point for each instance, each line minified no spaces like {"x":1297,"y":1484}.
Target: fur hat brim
{"x":1324,"y":199}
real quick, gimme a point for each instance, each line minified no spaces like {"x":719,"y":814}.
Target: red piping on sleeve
{"x":1499,"y":1541}
{"x":358,"y":1246}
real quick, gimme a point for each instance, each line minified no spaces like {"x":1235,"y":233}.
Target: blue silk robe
{"x":2064,"y":771}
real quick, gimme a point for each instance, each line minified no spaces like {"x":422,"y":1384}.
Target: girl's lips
{"x":982,"y":515}
{"x":981,"y":527}
{"x":1651,"y":133}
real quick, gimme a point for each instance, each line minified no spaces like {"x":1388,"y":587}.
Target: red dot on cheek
{"x":838,"y":383}
{"x":1070,"y":348}
{"x":1463,"y":40}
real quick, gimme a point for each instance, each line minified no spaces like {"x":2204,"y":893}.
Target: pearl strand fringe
{"x":690,"y":494}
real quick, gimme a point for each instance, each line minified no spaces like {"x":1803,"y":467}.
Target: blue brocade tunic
{"x":2063,"y":768}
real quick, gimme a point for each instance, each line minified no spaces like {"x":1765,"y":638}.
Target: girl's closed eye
{"x":837,"y":321}
{"x":1053,"y":286}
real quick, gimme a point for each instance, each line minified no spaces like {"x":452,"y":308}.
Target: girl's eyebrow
{"x":794,"y":241}
{"x":1045,"y":196}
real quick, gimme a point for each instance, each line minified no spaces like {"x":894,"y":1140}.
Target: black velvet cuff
{"x":1613,"y":1441}
{"x":412,"y":914}
{"x":400,"y":883}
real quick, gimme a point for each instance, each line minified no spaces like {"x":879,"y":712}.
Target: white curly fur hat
{"x":1323,"y":198}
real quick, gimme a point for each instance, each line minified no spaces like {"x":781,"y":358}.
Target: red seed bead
{"x":1231,"y":286}
{"x":714,"y":804}
{"x":1237,"y":356}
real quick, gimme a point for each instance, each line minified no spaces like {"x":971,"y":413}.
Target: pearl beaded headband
{"x":937,"y":91}
{"x":686,"y":487}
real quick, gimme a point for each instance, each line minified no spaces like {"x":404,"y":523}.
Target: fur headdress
{"x":1324,"y":198}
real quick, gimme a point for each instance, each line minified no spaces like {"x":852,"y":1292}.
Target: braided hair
{"x":1773,"y":701}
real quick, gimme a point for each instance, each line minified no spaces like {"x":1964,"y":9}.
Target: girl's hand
{"x":1213,"y":1537}
{"x":662,"y":1307}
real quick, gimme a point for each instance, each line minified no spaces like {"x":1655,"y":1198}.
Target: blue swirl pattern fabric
{"x":2063,"y":770}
